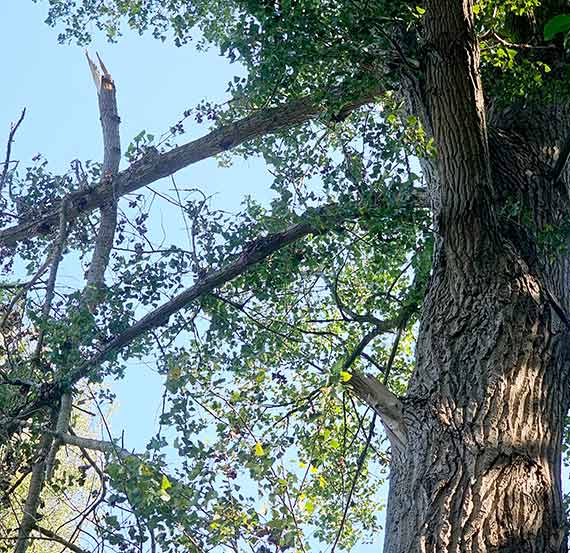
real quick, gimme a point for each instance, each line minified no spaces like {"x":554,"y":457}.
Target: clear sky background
{"x":156,"y":82}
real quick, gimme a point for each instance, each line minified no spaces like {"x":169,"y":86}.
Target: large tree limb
{"x":33,"y":499}
{"x":314,"y":222}
{"x":252,"y":254}
{"x":389,"y":408}
{"x":90,"y":443}
{"x":61,"y":425}
{"x":456,"y":109}
{"x":155,"y":166}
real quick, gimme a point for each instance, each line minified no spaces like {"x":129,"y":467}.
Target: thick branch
{"x":370,"y":390}
{"x":33,"y":499}
{"x":89,"y":443}
{"x":256,"y":251}
{"x":154,"y":167}
{"x":61,"y":426}
{"x":316,"y":222}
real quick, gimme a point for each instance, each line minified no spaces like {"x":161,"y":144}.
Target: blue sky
{"x":156,"y":83}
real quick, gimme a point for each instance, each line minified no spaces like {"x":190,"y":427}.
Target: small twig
{"x":13,"y":130}
{"x":359,"y":466}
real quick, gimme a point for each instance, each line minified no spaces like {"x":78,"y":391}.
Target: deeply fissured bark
{"x":484,"y":412}
{"x":485,"y":408}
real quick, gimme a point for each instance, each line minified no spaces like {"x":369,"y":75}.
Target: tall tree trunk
{"x":485,"y":408}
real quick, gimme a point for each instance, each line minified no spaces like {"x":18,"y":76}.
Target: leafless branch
{"x":90,"y":443}
{"x":13,"y":130}
{"x":106,"y":93}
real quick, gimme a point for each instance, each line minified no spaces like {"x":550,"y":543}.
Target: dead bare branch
{"x":106,"y":94}
{"x":7,"y":161}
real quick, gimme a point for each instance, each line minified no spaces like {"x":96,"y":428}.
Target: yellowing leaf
{"x":145,"y":470}
{"x":309,"y":506}
{"x":334,"y":443}
{"x":322,"y":481}
{"x":344,"y":376}
{"x":165,"y":484}
{"x":314,"y":470}
{"x":259,"y":450}
{"x":260,"y":377}
{"x":174,"y":373}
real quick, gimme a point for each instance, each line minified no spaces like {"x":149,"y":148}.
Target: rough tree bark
{"x":486,"y":404}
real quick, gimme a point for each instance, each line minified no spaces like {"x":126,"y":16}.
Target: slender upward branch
{"x":13,"y":130}
{"x":106,"y":94}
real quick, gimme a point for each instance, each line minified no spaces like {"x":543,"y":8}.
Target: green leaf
{"x":556,"y":25}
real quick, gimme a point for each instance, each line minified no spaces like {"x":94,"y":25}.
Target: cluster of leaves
{"x":262,"y":430}
{"x":519,"y":58}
